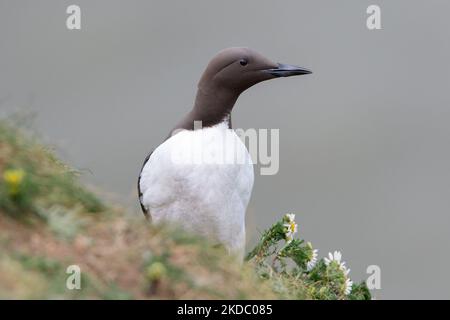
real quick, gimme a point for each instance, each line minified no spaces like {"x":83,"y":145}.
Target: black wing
{"x":145,"y":211}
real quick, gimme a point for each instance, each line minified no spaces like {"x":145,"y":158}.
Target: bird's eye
{"x":243,"y":62}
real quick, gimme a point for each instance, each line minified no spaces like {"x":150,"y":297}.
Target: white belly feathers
{"x":201,"y":180}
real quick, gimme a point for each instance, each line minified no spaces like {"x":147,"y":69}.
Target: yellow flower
{"x":14,"y":178}
{"x":156,"y":271}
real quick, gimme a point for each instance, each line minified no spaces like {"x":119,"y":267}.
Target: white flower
{"x":291,"y":227}
{"x":313,"y":260}
{"x":290,"y":217}
{"x":336,"y":257}
{"x":345,"y":270}
{"x":348,"y":286}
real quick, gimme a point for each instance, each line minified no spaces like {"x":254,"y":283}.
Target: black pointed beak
{"x":286,"y":70}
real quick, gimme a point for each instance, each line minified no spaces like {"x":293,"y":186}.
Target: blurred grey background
{"x":364,"y":141}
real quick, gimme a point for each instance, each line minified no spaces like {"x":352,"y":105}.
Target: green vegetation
{"x":293,"y":265}
{"x":34,"y":179}
{"x":48,"y":221}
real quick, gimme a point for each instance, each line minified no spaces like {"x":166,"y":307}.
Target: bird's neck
{"x":213,"y":106}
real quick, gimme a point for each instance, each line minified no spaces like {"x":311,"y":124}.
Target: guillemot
{"x":209,"y":198}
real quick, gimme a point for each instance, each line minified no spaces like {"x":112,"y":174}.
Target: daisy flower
{"x":291,"y":227}
{"x":289,"y":217}
{"x":348,"y":286}
{"x":336,"y":258}
{"x":313,"y":258}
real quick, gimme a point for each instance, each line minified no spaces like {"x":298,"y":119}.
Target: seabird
{"x":176,"y":183}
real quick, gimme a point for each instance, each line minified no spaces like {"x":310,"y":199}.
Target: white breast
{"x":201,"y":180}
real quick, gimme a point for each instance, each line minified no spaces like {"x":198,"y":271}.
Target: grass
{"x":48,"y":221}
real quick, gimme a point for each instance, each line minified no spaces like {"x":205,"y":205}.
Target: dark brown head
{"x":227,"y":75}
{"x":237,"y":69}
